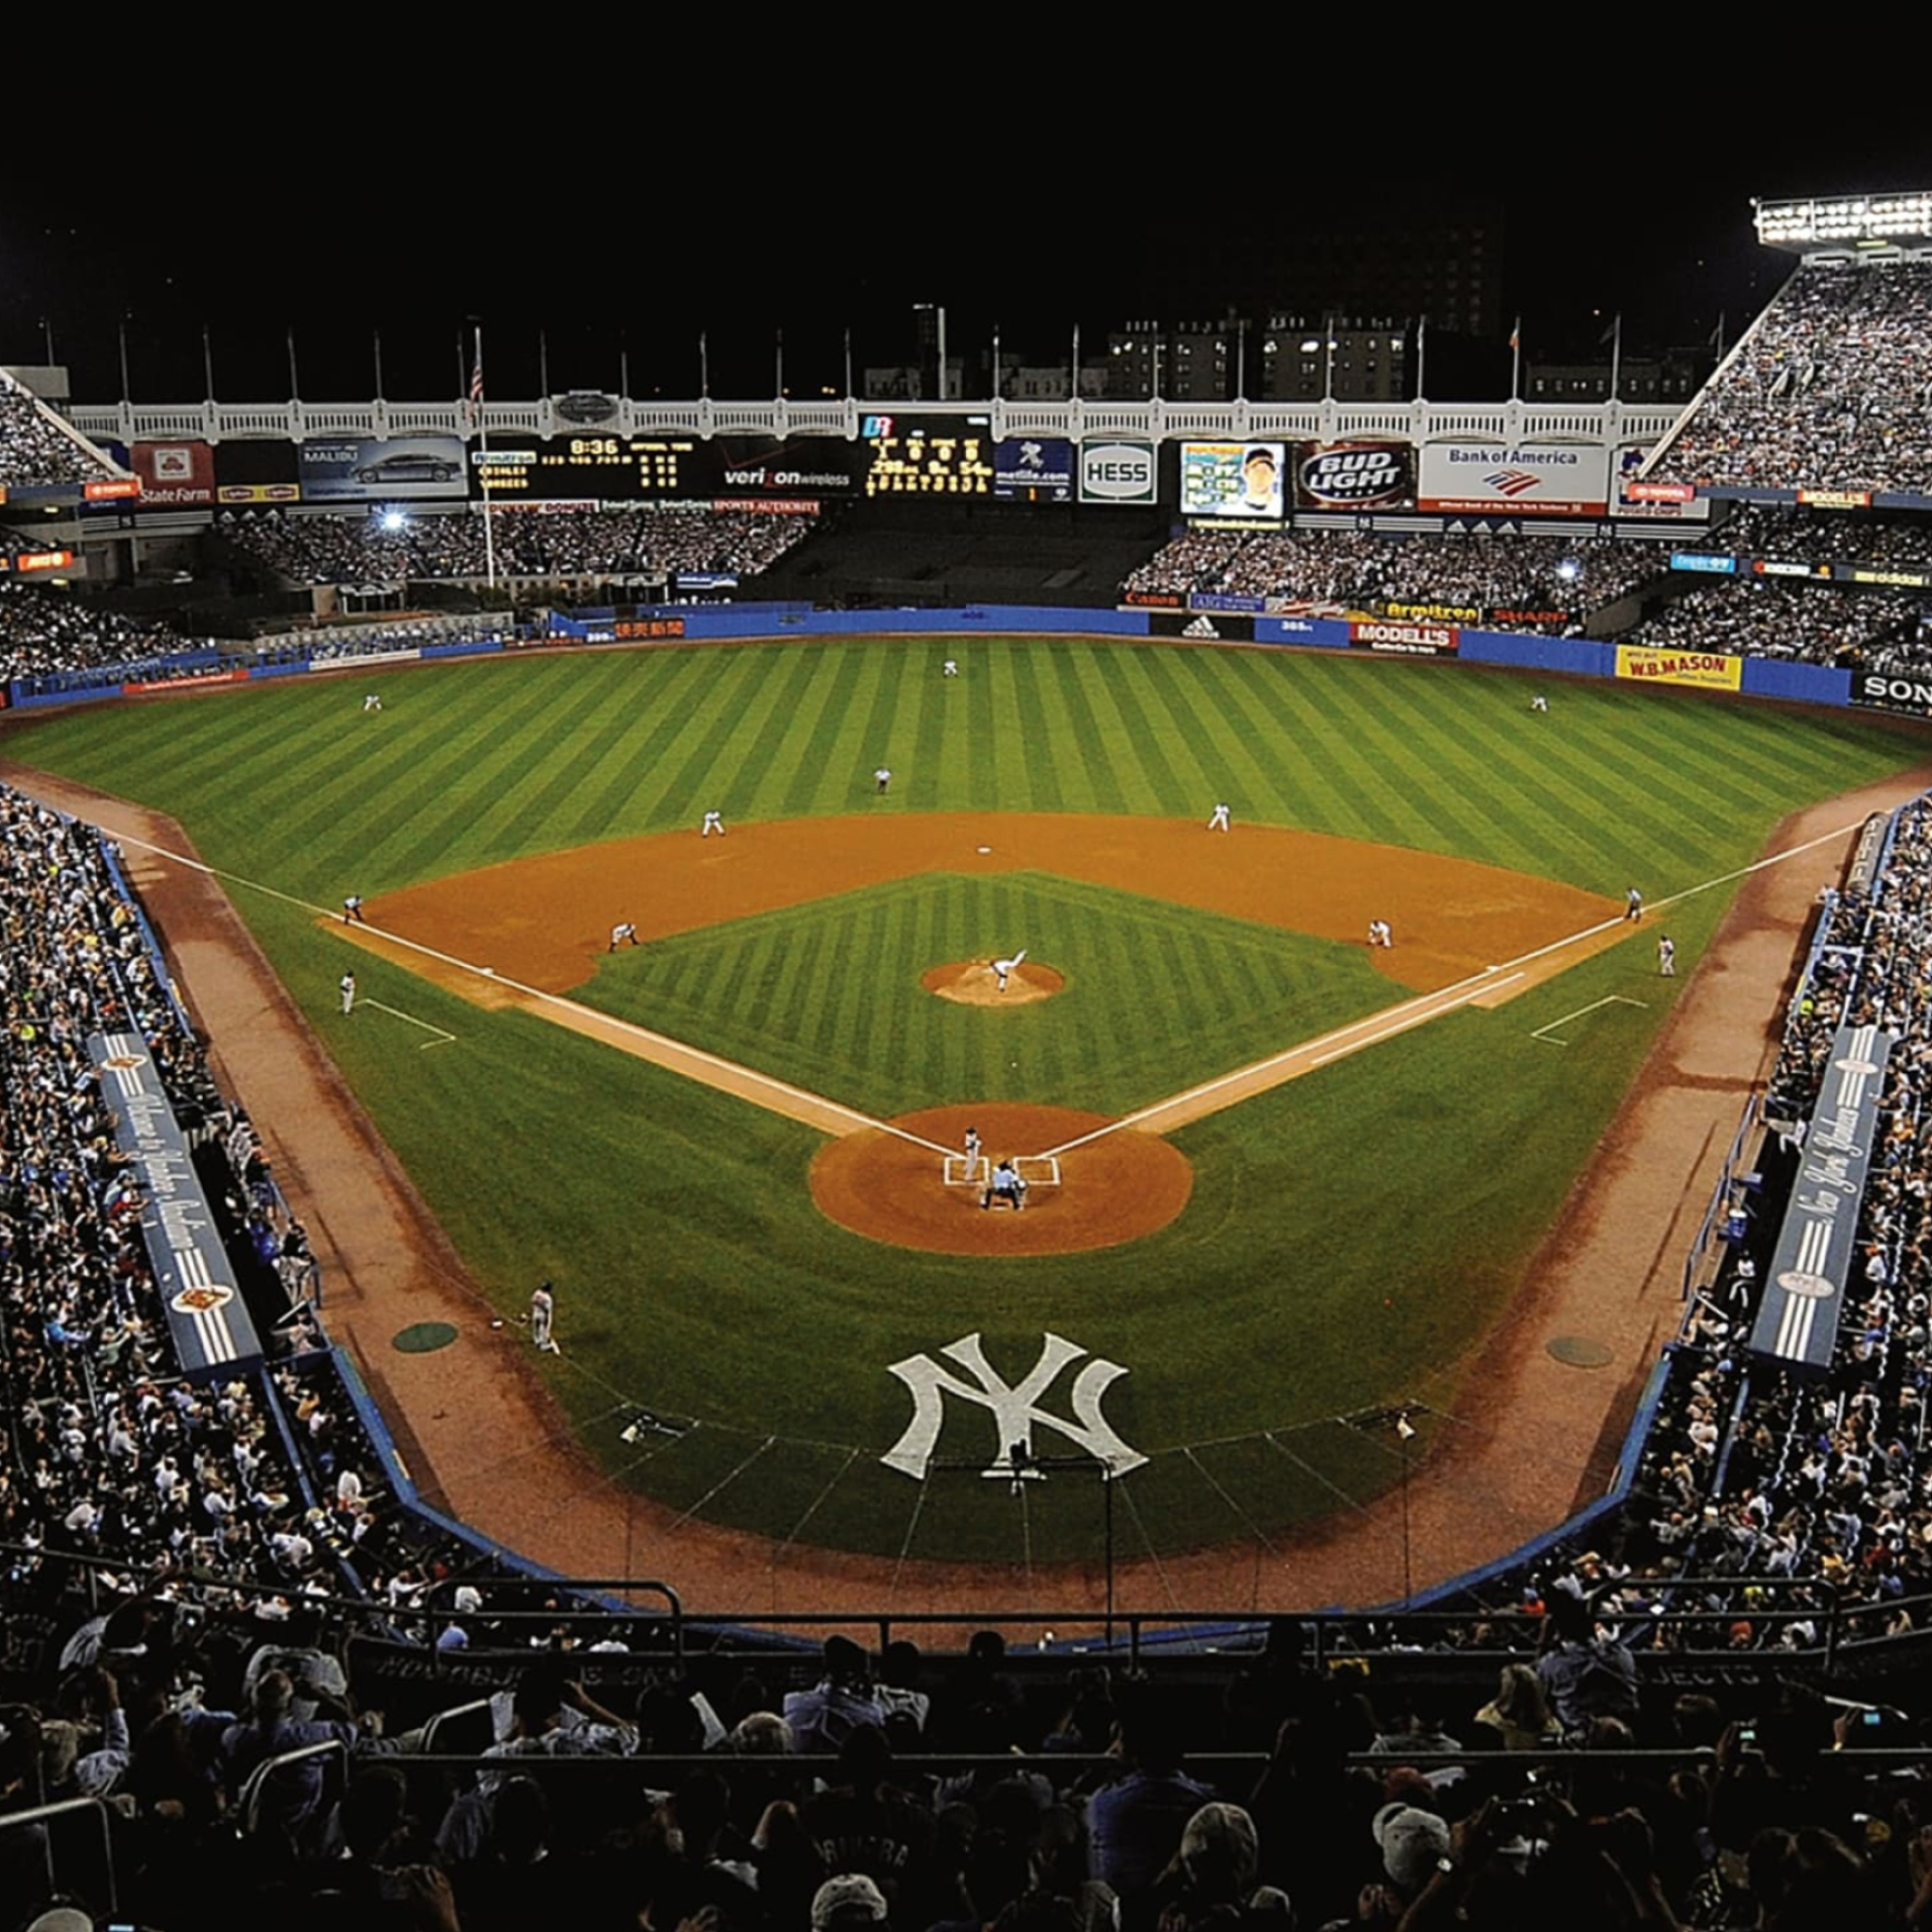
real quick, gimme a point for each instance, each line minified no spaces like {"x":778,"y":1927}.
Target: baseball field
{"x":1281,"y":1182}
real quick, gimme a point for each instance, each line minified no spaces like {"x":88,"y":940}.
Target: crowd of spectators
{"x":1791,"y":534}
{"x":1348,"y":568}
{"x":45,"y":629}
{"x":36,"y":447}
{"x":1831,"y":391}
{"x":389,"y":547}
{"x":1771,"y":617}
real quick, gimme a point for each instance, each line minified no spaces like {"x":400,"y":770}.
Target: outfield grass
{"x":829,"y":997}
{"x":1351,"y":1235}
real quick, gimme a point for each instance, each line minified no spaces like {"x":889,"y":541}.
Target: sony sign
{"x":1118,"y":471}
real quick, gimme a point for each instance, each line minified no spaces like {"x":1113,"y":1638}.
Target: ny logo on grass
{"x":1016,"y":1410}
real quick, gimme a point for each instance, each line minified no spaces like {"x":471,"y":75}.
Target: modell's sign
{"x":1409,"y":640}
{"x":1355,"y":476}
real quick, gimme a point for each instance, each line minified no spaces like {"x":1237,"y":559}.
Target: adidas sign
{"x":1200,"y":627}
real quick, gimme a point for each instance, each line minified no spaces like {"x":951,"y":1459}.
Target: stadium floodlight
{"x":1569,"y":570}
{"x":1873,"y":217}
{"x":393,"y":520}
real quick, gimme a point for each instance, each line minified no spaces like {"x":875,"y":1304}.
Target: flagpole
{"x":1616,"y":353}
{"x":1421,"y":357}
{"x":208,"y":363}
{"x":1516,"y":362}
{"x":379,"y":366}
{"x":1073,"y":385}
{"x":483,"y":449}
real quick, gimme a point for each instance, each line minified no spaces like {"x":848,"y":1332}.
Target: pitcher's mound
{"x":1114,"y":1189}
{"x":974,"y":984}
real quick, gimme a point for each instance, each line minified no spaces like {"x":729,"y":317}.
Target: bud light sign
{"x":1355,"y":476}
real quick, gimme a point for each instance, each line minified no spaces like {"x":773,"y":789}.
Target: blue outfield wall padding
{"x":299,"y":667}
{"x":1318,"y":631}
{"x":87,"y":693}
{"x":466,"y":647}
{"x":1573,"y":657}
{"x":1804,"y":683}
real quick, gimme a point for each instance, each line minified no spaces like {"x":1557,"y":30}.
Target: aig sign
{"x":1117,"y":472}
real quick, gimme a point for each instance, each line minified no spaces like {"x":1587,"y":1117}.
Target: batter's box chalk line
{"x":442,"y":1039}
{"x":1547,"y":1034}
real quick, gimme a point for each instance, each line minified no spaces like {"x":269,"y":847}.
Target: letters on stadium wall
{"x":1120,"y":470}
{"x":1706,"y":670}
{"x":1405,"y":641}
{"x":1155,"y":600}
{"x":1033,"y":470}
{"x":28,"y":563}
{"x":1355,"y":476}
{"x":1882,"y":691}
{"x":1530,"y":479}
{"x":1797,"y":1323}
{"x":411,"y":468}
{"x":174,"y":473}
{"x":1429,"y":612}
{"x":206,"y":1318}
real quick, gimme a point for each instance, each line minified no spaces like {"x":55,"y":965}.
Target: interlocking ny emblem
{"x":1016,"y":1410}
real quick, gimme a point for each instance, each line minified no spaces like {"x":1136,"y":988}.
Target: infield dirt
{"x":485,"y":1441}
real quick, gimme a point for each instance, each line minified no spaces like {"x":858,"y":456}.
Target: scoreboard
{"x":927,"y":456}
{"x":599,"y":469}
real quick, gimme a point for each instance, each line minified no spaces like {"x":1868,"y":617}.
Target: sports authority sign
{"x":1527,"y":479}
{"x":1122,"y":470}
{"x":1407,"y":640}
{"x":1705,"y":670}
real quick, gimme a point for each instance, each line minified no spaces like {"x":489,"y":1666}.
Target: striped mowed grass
{"x":1352,"y":1237}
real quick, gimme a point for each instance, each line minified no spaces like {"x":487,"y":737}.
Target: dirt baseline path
{"x":546,"y":921}
{"x":485,"y":1441}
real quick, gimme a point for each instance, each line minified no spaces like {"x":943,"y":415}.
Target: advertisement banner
{"x":1427,"y":611}
{"x":1119,"y":470}
{"x":1155,"y":600}
{"x":1234,"y":482}
{"x":110,"y":490}
{"x":1355,"y":476}
{"x":1201,"y":628}
{"x":408,"y":468}
{"x":174,"y":472}
{"x":1706,"y":670}
{"x":1817,"y":1258}
{"x":1655,"y":503}
{"x":1897,"y":580}
{"x":1512,"y":619}
{"x":136,"y":687}
{"x":1033,"y":470}
{"x":1837,"y":499}
{"x":256,"y":470}
{"x":27,"y":561}
{"x":1407,"y":641}
{"x":817,"y":465}
{"x":1698,"y":561}
{"x":1223,"y":600}
{"x":1531,"y":479}
{"x":1883,"y":691}
{"x":206,"y":1318}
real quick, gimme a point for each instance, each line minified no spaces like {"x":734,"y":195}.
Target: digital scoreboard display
{"x":928,"y":456}
{"x":602,"y":469}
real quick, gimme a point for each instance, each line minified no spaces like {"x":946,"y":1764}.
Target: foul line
{"x":1609,"y":1000}
{"x":442,"y":1039}
{"x":1391,"y":1020}
{"x":1399,"y":1020}
{"x":587,"y":1018}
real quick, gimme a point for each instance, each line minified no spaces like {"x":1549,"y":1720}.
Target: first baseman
{"x":714,"y":821}
{"x":352,"y":910}
{"x":1219,"y":821}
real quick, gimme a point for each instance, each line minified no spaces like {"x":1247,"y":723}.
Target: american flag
{"x":476,"y":381}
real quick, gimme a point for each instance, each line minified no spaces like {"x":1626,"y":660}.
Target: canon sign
{"x":1117,"y":472}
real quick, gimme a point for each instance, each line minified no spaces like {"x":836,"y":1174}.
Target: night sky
{"x":640,"y":259}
